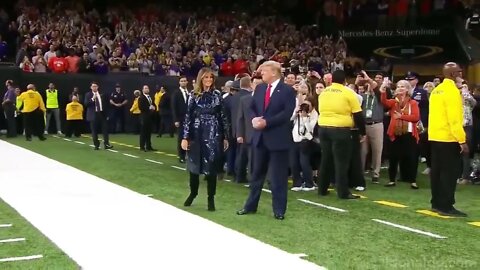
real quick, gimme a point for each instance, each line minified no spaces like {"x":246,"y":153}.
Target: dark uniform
{"x":117,"y":113}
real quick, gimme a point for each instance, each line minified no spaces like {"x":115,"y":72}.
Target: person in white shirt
{"x":304,"y":120}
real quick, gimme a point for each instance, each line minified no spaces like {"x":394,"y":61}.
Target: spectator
{"x":73,"y":62}
{"x":58,"y":64}
{"x":39,"y":62}
{"x":3,"y":50}
{"x":26,"y":65}
{"x":50,"y":54}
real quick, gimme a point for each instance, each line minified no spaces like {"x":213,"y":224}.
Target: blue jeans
{"x":300,"y":163}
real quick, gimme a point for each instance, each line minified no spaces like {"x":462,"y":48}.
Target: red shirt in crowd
{"x":227,"y":69}
{"x":72,"y":62}
{"x":240,"y":66}
{"x":58,"y":64}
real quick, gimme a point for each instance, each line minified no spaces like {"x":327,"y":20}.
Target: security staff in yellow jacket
{"x":74,"y":112}
{"x":135,"y":111}
{"x":448,"y":141}
{"x":33,"y":113}
{"x":51,"y":95}
{"x":157,"y":98}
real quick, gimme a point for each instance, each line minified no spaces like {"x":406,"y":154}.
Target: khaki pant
{"x":374,"y":141}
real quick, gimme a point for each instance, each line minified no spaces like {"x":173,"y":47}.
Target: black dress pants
{"x":336,"y":144}
{"x":403,"y":152}
{"x":446,"y":166}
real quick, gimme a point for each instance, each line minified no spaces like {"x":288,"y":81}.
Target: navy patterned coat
{"x":205,"y":127}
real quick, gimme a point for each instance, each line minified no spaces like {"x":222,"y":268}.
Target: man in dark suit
{"x":242,"y":126}
{"x":272,"y":106}
{"x":147,"y":109}
{"x":179,"y":109}
{"x":97,"y":111}
{"x":165,"y":113}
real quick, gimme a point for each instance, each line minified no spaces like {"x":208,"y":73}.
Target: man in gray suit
{"x":243,"y":129}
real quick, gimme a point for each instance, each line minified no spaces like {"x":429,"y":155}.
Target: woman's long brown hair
{"x":198,"y":87}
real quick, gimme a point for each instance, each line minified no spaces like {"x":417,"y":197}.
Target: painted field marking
{"x":300,"y":255}
{"x":153,"y":161}
{"x":149,"y":195}
{"x":432,"y":214}
{"x":360,"y":196}
{"x":11,"y":240}
{"x":5,"y":225}
{"x":409,"y":229}
{"x":159,"y":152}
{"x":25,"y":258}
{"x":65,"y":139}
{"x":171,"y":155}
{"x":391,"y":204}
{"x":179,"y":168}
{"x":324,"y":206}
{"x":79,"y":142}
{"x":113,"y":151}
{"x":266,"y":190}
{"x":128,"y":155}
{"x":227,"y":180}
{"x":91,"y":145}
{"x":476,"y":223}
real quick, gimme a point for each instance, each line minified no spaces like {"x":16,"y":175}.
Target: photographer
{"x":304,"y":120}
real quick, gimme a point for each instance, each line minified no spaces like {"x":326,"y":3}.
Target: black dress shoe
{"x":143,"y":149}
{"x":42,"y":138}
{"x":108,"y":146}
{"x":351,"y":197}
{"x":279,"y":217}
{"x":96,"y":148}
{"x":189,"y":200}
{"x":151,"y":149}
{"x":455,"y":213}
{"x":242,"y":212}
{"x":322,"y":193}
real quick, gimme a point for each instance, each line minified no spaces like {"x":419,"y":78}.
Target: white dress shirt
{"x":274,"y":86}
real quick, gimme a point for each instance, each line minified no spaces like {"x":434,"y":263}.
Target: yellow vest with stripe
{"x":19,"y":103}
{"x":52,"y":99}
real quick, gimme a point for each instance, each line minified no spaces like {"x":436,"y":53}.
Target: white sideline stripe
{"x":5,"y":225}
{"x":111,"y":150}
{"x":301,"y":255}
{"x":65,"y":139}
{"x":178,"y":168}
{"x":79,"y":142}
{"x":266,"y":190}
{"x":324,"y":206}
{"x":26,"y":258}
{"x":72,"y":200}
{"x":128,"y":155}
{"x":153,"y":161}
{"x":91,"y":145}
{"x":12,"y":240}
{"x":409,"y":229}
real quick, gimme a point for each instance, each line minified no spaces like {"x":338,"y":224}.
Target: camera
{"x":304,"y":108}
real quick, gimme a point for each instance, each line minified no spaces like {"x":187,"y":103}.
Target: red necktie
{"x":267,"y":97}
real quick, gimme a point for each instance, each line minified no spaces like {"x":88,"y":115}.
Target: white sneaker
{"x":46,"y":132}
{"x":426,"y":171}
{"x":423,"y":160}
{"x":360,"y":188}
{"x":59,"y":133}
{"x":309,"y":188}
{"x":296,"y":189}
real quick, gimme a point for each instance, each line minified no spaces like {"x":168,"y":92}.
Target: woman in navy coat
{"x":205,"y":135}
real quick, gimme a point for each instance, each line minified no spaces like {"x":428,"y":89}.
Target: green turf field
{"x":349,"y":240}
{"x":35,"y":244}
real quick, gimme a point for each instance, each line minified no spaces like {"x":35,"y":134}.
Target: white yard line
{"x":65,"y":139}
{"x":5,"y":225}
{"x":266,"y":190}
{"x":79,"y":142}
{"x":324,"y":206}
{"x":25,"y":258}
{"x":405,"y":228}
{"x":153,"y":161}
{"x":12,"y":240}
{"x":178,"y":168}
{"x":113,"y":151}
{"x":128,"y":155}
{"x":70,"y":200}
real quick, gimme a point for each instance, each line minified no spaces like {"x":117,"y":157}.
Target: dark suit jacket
{"x":179,"y":106}
{"x":90,"y":106}
{"x":244,"y":119}
{"x":144,"y":105}
{"x":165,"y":105}
{"x":235,"y":104}
{"x":277,"y":135}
